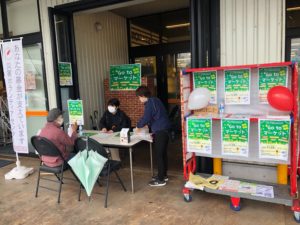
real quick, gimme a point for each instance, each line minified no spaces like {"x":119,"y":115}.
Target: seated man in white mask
{"x":113,"y":120}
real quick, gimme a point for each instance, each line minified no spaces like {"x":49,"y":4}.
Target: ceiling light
{"x":178,"y":25}
{"x":293,"y":9}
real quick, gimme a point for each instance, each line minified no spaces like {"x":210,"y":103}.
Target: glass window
{"x":295,"y":50}
{"x":34,"y":78}
{"x":295,"y":57}
{"x":175,"y":63}
{"x":145,"y":30}
{"x":22,"y":17}
{"x":176,"y":26}
{"x":148,"y":65}
{"x":160,"y":28}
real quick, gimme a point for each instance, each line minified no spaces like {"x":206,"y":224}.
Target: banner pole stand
{"x":19,"y":172}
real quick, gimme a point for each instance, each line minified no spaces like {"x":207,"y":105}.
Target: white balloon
{"x":199,"y":98}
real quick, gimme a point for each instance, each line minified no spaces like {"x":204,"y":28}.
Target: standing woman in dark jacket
{"x":156,"y":117}
{"x":113,"y":120}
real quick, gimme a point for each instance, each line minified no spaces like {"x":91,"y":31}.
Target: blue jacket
{"x":155,"y":116}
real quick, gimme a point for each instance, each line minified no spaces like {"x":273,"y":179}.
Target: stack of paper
{"x":198,"y":182}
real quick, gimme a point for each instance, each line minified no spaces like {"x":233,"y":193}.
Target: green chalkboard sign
{"x":65,"y":74}
{"x":235,"y":137}
{"x":274,"y":136}
{"x":199,"y":132}
{"x":207,"y":79}
{"x":237,"y":86}
{"x":125,"y":77}
{"x":271,"y":77}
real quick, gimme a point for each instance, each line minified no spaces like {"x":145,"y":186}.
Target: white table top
{"x":113,"y":139}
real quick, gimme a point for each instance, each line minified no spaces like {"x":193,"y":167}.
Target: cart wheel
{"x":297,"y":216}
{"x":187,"y":197}
{"x":235,"y":208}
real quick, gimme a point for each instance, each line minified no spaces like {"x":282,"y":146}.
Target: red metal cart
{"x":283,"y":194}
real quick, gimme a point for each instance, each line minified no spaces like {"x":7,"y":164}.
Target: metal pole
{"x":151,"y":159}
{"x":131,"y":170}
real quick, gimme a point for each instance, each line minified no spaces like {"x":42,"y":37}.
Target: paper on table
{"x":143,"y":134}
{"x":103,"y":135}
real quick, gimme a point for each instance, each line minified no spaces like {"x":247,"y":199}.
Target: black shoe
{"x":166,"y":178}
{"x":157,"y":183}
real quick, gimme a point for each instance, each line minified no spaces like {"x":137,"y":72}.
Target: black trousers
{"x":161,"y":139}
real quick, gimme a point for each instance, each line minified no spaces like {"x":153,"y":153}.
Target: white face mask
{"x":111,"y":109}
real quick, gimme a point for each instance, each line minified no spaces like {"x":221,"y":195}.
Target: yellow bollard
{"x":282,"y":172}
{"x":217,"y":166}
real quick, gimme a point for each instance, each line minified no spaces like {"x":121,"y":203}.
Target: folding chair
{"x":45,"y":147}
{"x":109,"y":167}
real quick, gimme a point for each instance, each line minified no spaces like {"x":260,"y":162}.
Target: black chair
{"x":80,"y":144}
{"x":109,"y":167}
{"x":45,"y":147}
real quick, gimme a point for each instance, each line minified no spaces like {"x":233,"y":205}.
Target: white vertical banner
{"x":13,"y":67}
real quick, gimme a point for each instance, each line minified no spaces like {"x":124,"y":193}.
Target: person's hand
{"x":137,"y":130}
{"x":104,"y":130}
{"x":110,"y":131}
{"x":74,"y":127}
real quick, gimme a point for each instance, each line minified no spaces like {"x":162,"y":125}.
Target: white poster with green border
{"x":274,"y":138}
{"x":235,"y":137}
{"x":199,"y":135}
{"x":75,"y":109}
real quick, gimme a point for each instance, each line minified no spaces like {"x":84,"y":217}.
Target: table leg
{"x":151,"y":159}
{"x":131,"y":170}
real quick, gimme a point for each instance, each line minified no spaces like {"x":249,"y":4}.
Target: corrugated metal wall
{"x":95,"y":51}
{"x":44,"y":4}
{"x":252,"y":31}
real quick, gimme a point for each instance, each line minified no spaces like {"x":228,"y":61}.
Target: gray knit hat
{"x":54,"y":114}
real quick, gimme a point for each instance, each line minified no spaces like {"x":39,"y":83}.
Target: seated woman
{"x":58,"y":137}
{"x":113,"y":120}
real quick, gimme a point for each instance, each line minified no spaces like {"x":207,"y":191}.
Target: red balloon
{"x":281,"y":98}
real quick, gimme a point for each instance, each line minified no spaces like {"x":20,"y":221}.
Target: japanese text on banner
{"x":13,"y":68}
